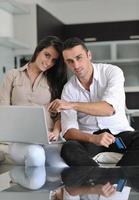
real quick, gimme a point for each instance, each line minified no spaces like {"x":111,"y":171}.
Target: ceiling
{"x":88,"y":11}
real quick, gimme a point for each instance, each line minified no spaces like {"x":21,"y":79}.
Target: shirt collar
{"x":21,"y":69}
{"x":95,"y":74}
{"x":25,"y":67}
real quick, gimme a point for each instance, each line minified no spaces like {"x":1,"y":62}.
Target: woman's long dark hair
{"x":56,"y":75}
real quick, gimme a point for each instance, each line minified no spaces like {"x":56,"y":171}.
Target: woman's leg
{"x":27,"y":154}
{"x":53,"y":157}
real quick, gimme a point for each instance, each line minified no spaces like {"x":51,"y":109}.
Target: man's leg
{"x":77,"y":153}
{"x":130,"y":157}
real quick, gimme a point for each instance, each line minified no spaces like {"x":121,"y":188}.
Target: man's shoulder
{"x":106,"y":67}
{"x":71,"y":82}
{"x":71,"y":87}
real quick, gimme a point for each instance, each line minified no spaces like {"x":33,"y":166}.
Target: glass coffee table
{"x":78,"y":183}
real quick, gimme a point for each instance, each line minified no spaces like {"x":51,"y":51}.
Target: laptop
{"x":27,"y":124}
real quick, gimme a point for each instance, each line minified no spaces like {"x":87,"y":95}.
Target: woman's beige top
{"x":17,"y":89}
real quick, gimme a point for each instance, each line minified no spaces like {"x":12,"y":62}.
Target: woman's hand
{"x":53,"y":136}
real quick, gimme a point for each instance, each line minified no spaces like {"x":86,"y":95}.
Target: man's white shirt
{"x":107,"y":85}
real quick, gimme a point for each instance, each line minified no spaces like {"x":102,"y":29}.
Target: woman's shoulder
{"x":12,"y":73}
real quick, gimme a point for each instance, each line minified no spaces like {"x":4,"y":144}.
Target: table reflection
{"x":75,"y":183}
{"x":32,"y":178}
{"x":97,"y":183}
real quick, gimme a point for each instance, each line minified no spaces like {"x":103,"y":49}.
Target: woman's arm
{"x":6,"y":88}
{"x":54,"y":135}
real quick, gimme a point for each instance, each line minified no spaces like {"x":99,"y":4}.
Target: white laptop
{"x":25,"y":124}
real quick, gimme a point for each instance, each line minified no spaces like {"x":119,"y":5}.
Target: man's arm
{"x":101,"y":108}
{"x":104,"y":139}
{"x":106,"y":190}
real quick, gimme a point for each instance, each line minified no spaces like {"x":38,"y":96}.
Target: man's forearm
{"x":75,"y":134}
{"x":96,"y":109}
{"x":104,"y":139}
{"x":101,"y":108}
{"x":82,"y":190}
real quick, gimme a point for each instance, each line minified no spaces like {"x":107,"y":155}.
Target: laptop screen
{"x":23,"y":124}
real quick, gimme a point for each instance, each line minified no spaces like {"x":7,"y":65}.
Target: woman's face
{"x":46,"y":58}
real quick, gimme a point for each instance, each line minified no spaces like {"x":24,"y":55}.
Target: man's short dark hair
{"x":72,"y":42}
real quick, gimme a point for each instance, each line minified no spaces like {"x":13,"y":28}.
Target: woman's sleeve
{"x":6,"y":88}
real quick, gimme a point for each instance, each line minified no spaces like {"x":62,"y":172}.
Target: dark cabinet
{"x":135,"y":122}
{"x":47,"y":24}
{"x":132,"y":100}
{"x":106,"y":31}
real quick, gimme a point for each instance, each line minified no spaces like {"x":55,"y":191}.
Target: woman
{"x":37,"y":83}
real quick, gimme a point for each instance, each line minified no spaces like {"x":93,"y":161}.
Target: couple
{"x":92,"y":104}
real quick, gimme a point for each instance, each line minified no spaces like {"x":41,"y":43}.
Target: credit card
{"x":120,"y":144}
{"x":120,"y":185}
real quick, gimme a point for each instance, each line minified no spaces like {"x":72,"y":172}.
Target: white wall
{"x":6,"y":30}
{"x":25,"y":30}
{"x":25,"y":26}
{"x":21,"y":27}
{"x":6,"y":60}
{"x":6,"y":24}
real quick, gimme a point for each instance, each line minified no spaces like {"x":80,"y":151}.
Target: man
{"x":93,"y":110}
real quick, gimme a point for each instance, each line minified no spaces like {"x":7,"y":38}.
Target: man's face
{"x":78,"y":60}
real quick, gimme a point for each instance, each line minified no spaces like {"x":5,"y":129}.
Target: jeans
{"x":27,"y":154}
{"x":76,"y":153}
{"x":36,"y":155}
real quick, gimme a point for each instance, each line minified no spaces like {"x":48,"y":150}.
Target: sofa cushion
{"x":108,"y":157}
